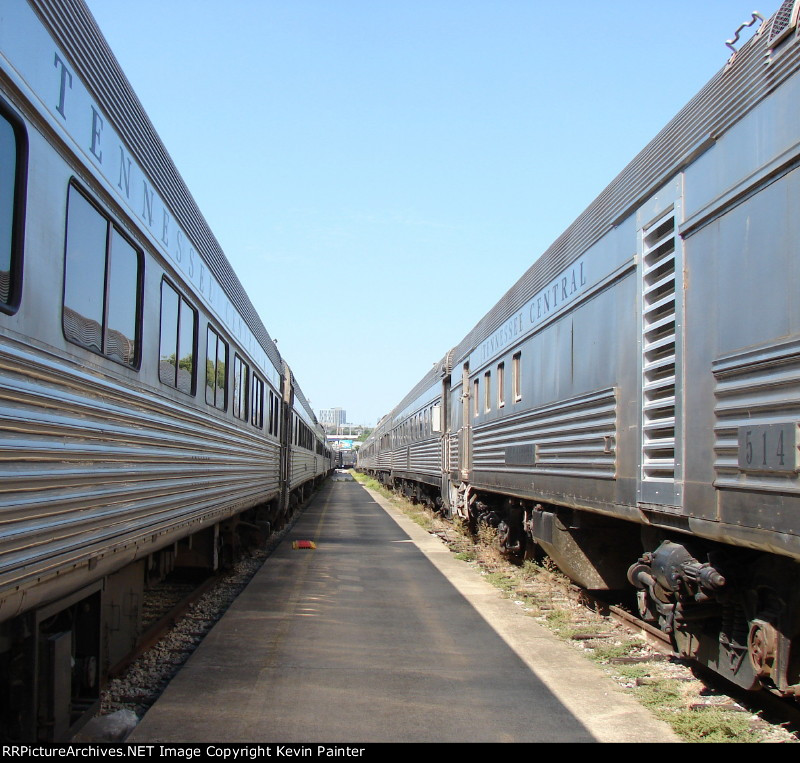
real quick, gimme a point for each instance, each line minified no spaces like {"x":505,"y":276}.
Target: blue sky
{"x":379,"y":173}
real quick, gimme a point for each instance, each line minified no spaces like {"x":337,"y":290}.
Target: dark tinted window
{"x":274,"y":414}
{"x":168,"y":358}
{"x":177,"y":346}
{"x":121,"y":314}
{"x":102,"y":284}
{"x":11,"y":206}
{"x":241,"y":375}
{"x":216,"y":369}
{"x":257,"y":403}
{"x":188,"y":329}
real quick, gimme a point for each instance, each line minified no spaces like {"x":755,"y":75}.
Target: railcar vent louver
{"x":784,"y":21}
{"x":659,"y":349}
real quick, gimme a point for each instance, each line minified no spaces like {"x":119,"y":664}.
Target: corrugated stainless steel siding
{"x":425,"y":457}
{"x":76,"y":32}
{"x":87,"y":465}
{"x":717,"y":107}
{"x":573,"y":438}
{"x":757,"y":387}
{"x":304,"y":467}
{"x":454,"y":452}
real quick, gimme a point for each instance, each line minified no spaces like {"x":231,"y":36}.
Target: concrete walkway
{"x":380,"y":635}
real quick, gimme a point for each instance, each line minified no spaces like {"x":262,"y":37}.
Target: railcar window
{"x":476,"y":397}
{"x":84,"y":282}
{"x":121,"y":310}
{"x":501,"y":382}
{"x":271,"y":425}
{"x":102,"y":284}
{"x":487,"y":391}
{"x":186,"y":345}
{"x":241,"y":378}
{"x":12,"y":181}
{"x":516,"y":376}
{"x":257,"y":403}
{"x":304,"y":437}
{"x":216,"y":370}
{"x":274,"y":414}
{"x":176,"y":366}
{"x":8,"y":172}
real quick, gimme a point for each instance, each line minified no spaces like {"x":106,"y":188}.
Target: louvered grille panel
{"x":659,"y":349}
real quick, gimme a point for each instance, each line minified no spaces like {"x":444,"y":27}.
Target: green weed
{"x":711,"y":726}
{"x":465,"y":556}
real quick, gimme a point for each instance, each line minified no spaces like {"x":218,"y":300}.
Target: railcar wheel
{"x":762,"y":648}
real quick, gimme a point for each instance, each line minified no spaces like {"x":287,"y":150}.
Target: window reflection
{"x":241,"y":373}
{"x":102,"y":289}
{"x":169,"y":334}
{"x":216,"y":356}
{"x":123,"y":271}
{"x":257,"y":398}
{"x":186,"y":348}
{"x":178,"y":330}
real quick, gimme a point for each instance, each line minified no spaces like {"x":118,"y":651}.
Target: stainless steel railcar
{"x":347,"y":458}
{"x":631,"y":406}
{"x":147,"y":419}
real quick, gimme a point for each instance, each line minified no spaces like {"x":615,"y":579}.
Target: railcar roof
{"x":426,"y":382}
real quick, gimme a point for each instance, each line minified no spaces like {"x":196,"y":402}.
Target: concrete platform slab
{"x":380,"y":635}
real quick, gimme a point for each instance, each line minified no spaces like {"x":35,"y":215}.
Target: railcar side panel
{"x":143,"y":406}
{"x":632,"y":405}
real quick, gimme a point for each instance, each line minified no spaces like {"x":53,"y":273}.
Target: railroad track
{"x":180,"y":617}
{"x":656,"y":638}
{"x":166,"y":604}
{"x":775,"y":709}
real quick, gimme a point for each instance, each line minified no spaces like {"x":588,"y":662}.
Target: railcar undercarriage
{"x":731,"y":609}
{"x":57,"y":656}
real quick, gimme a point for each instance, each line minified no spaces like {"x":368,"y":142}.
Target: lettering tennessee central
{"x":548,"y":301}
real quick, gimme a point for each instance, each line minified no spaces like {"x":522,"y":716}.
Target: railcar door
{"x":441,"y":424}
{"x":465,"y":433}
{"x":286,"y":438}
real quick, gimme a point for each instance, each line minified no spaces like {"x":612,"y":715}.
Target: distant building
{"x":331,"y":418}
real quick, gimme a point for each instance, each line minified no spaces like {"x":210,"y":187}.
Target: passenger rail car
{"x":405,"y":448}
{"x":347,"y":458}
{"x":631,"y":406}
{"x":145,"y":412}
